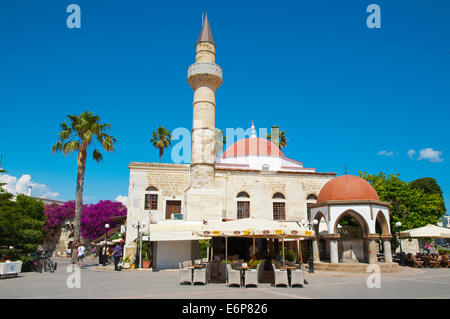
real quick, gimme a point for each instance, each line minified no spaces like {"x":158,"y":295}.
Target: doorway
{"x":172,"y":207}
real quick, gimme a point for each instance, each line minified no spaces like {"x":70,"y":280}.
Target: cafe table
{"x":289,"y":268}
{"x":243,"y":269}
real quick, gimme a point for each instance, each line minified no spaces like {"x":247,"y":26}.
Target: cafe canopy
{"x":428,"y":231}
{"x":254,"y":227}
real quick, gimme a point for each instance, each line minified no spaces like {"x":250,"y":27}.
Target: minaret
{"x":204,"y":77}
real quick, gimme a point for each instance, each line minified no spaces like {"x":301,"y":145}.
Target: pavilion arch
{"x":360,"y":219}
{"x":381,"y":220}
{"x":319,"y":215}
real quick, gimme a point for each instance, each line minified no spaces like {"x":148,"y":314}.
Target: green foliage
{"x":161,"y":139}
{"x":410,"y":204}
{"x":146,"y":250}
{"x":204,"y":244}
{"x":21,"y":227}
{"x":282,"y":140}
{"x":289,"y":254}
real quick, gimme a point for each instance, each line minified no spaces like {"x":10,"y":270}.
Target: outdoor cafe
{"x":266,"y":240}
{"x":428,"y":257}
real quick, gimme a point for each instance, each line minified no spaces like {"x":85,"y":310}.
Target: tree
{"x":161,"y":139}
{"x":81,"y":132}
{"x":21,"y":224}
{"x":93,"y":219}
{"x":282,"y":140}
{"x":409,"y":204}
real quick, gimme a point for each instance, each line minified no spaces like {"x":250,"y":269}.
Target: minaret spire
{"x":206,"y":34}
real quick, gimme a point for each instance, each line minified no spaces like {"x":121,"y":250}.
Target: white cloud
{"x":385,"y":153}
{"x":431,"y":155}
{"x":411,"y":153}
{"x":21,"y":185}
{"x":122,"y":199}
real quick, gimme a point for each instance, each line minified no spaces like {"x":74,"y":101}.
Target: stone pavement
{"x":414,"y":283}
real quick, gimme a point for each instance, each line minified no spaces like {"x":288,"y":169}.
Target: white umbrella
{"x":428,"y":231}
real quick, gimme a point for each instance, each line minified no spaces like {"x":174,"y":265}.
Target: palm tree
{"x":282,"y":140}
{"x":161,"y":139}
{"x":82,"y":131}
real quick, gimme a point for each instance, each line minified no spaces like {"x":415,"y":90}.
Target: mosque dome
{"x":347,"y":187}
{"x":252,"y":146}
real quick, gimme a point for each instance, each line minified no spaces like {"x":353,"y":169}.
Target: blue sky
{"x":343,"y":93}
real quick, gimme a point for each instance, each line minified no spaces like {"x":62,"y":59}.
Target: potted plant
{"x":146,"y":262}
{"x":146,"y":252}
{"x":290,"y":256}
{"x":126,"y":263}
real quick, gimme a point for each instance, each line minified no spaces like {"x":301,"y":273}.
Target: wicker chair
{"x":281,"y":276}
{"x":297,"y":278}
{"x":251,"y":276}
{"x":234,"y":276}
{"x":185,"y":276}
{"x":199,"y":276}
{"x":187,"y":263}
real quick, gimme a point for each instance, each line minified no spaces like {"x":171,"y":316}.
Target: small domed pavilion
{"x":352,"y":221}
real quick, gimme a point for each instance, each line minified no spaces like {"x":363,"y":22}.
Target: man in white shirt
{"x":81,"y":255}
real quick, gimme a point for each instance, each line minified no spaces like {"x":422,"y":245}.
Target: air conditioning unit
{"x":177,"y":216}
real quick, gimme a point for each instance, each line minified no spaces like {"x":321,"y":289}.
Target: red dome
{"x":347,"y":187}
{"x":252,"y":146}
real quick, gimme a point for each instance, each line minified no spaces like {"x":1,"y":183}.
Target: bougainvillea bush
{"x":93,"y":217}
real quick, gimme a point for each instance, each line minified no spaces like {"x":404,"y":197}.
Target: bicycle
{"x":42,"y":261}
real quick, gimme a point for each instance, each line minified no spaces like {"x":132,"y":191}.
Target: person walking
{"x":80,"y":254}
{"x":116,"y":255}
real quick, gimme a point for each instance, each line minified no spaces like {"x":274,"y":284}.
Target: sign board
{"x":145,"y":238}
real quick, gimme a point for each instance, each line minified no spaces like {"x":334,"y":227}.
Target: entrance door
{"x":172,"y":207}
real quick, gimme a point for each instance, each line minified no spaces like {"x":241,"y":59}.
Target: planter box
{"x":126,"y":265}
{"x":146,"y":263}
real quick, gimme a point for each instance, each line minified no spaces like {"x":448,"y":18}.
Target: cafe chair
{"x":281,"y":276}
{"x":185,"y":276}
{"x":297,"y":278}
{"x":251,"y":276}
{"x":199,"y":276}
{"x":234,"y":276}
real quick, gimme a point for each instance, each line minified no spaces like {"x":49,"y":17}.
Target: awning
{"x":175,"y":230}
{"x":428,"y":231}
{"x":255,"y":228}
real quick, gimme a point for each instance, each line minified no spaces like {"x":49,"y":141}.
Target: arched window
{"x":279,"y":206}
{"x":243,"y":195}
{"x":278,"y":196}
{"x":151,"y":198}
{"x":311,"y":197}
{"x":243,"y":205}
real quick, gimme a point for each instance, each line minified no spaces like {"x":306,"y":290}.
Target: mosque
{"x":251,"y":178}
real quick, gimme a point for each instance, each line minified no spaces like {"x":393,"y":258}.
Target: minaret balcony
{"x":204,"y":74}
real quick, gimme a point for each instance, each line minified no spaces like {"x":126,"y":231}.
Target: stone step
{"x":356,"y":267}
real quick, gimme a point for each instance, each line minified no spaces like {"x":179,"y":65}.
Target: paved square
{"x":420,"y":283}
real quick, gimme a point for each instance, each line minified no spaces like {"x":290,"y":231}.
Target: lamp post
{"x":311,"y":257}
{"x":138,"y":226}
{"x":402,"y":261}
{"x":106,"y":243}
